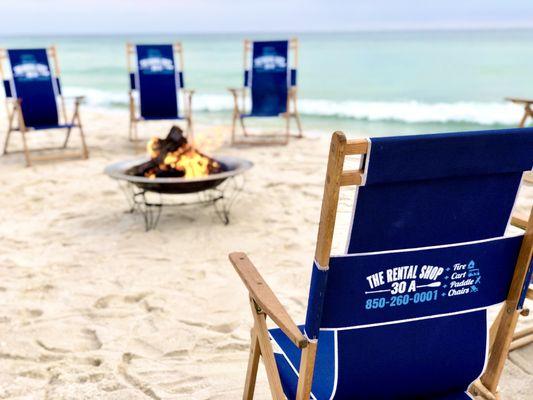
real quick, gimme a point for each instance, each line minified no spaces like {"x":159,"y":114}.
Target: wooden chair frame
{"x":528,"y":111}
{"x":264,"y":302}
{"x":16,"y":122}
{"x":239,"y":104}
{"x":135,"y":118}
{"x":524,"y":337}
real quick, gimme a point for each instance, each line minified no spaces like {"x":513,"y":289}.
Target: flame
{"x":186,"y":158}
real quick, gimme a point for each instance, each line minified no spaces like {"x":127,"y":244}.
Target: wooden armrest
{"x":519,"y":100}
{"x":266,"y":299}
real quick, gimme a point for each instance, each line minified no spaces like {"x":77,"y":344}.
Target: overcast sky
{"x":183,"y":16}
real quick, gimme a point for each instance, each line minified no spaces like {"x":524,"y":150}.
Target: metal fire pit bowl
{"x":218,"y":190}
{"x":231,"y":166}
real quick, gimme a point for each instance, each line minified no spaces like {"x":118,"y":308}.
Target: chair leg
{"x":307,"y":368}
{"x":522,"y":338}
{"x":6,"y":143}
{"x":190,"y":134}
{"x":243,"y":126}
{"x":267,"y":353}
{"x":84,"y":150}
{"x":67,"y":137}
{"x":527,"y":113}
{"x":9,"y":128}
{"x":253,"y":364}
{"x":298,"y":124}
{"x":26,"y":151}
{"x":500,"y":348}
{"x":233,"y":127}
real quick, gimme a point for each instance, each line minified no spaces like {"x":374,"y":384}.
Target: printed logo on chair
{"x":270,"y":61}
{"x":413,"y":284}
{"x":156,"y":64}
{"x":381,"y":287}
{"x":29,"y":69}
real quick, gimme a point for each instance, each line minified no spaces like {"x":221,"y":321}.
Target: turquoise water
{"x":378,"y":82}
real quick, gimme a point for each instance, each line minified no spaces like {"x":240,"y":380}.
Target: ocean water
{"x":374,"y":82}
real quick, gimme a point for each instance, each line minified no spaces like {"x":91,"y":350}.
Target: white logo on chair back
{"x":29,"y":69}
{"x":412,"y":284}
{"x":156,"y":64}
{"x":270,"y":62}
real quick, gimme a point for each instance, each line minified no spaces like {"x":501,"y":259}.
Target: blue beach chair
{"x":157,"y":89}
{"x":34,"y":100}
{"x":403,"y":313}
{"x":271,"y":84}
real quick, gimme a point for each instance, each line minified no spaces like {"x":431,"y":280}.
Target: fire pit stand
{"x":150,"y":204}
{"x":148,"y":196}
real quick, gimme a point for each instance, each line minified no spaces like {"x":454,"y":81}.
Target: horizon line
{"x":250,"y":32}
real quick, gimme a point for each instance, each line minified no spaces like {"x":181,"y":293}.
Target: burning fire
{"x":174,"y":156}
{"x":186,"y":158}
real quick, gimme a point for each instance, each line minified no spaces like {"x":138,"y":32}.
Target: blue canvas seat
{"x":32,"y":91}
{"x":270,"y":71}
{"x":157,"y":89}
{"x":402,"y":314}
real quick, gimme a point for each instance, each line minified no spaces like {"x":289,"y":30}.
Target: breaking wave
{"x":484,"y":113}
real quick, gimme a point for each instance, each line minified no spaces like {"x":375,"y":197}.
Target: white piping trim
{"x":469,"y":395}
{"x":336,"y":364}
{"x":137,"y":85}
{"x":12,"y":80}
{"x":54,"y":79}
{"x":440,"y":246}
{"x":177,"y":84}
{"x":320,"y":267}
{"x":402,"y":321}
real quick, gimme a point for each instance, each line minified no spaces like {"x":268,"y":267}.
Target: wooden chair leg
{"x":243,"y":126}
{"x":267,"y":353}
{"x":253,"y":364}
{"x":84,"y":150}
{"x":233,"y":127}
{"x":9,"y":128}
{"x":190,"y":134}
{"x":527,"y":113}
{"x":522,"y":338}
{"x":67,"y":137}
{"x":307,"y":368}
{"x":298,"y":124}
{"x":6,"y":142}
{"x":26,"y":150}
{"x":500,"y":348}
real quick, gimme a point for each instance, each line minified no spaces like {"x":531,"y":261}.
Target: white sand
{"x":91,"y":306}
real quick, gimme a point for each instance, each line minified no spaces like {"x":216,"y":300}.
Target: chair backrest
{"x":32,"y":82}
{"x":158,"y":80}
{"x":270,"y":77}
{"x":428,"y":252}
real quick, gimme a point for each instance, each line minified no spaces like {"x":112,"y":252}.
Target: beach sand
{"x":92,"y":306}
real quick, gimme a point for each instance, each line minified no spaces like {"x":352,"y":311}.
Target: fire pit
{"x":176,"y":167}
